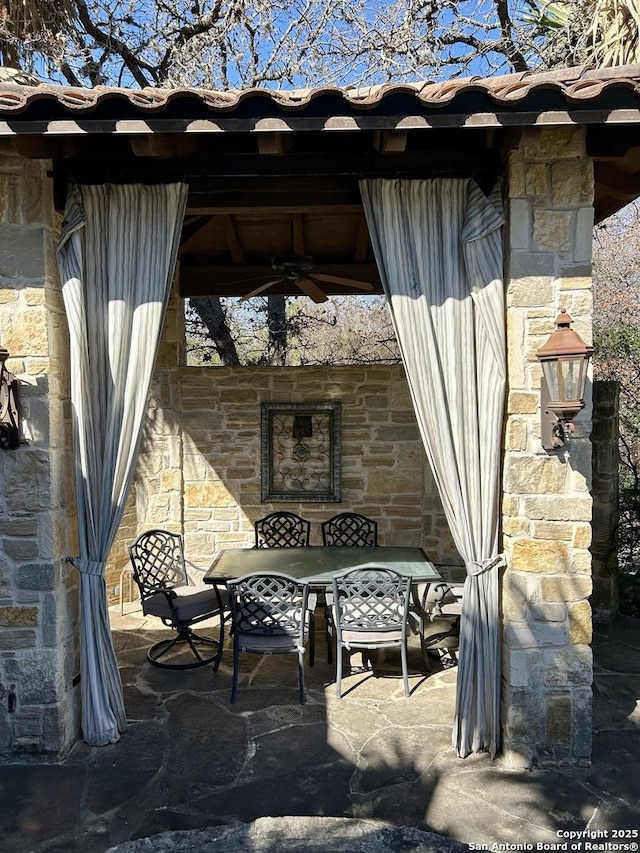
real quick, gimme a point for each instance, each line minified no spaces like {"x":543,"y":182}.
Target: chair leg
{"x":301,"y":675}
{"x":405,"y":669}
{"x":234,"y":683}
{"x":328,"y":633}
{"x":339,"y":670}
{"x":312,"y":638}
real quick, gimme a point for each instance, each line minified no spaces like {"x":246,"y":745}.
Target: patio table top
{"x":317,"y":564}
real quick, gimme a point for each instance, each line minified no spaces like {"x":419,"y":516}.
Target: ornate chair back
{"x":282,"y":530}
{"x":350,"y":529}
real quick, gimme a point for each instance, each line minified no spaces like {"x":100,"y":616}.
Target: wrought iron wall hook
{"x":9,"y":405}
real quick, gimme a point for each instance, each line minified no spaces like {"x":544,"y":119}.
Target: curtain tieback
{"x":479,"y":567}
{"x":87,"y":567}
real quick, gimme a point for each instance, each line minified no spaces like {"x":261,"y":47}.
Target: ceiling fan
{"x":298,"y":270}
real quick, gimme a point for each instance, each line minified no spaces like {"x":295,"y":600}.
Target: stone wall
{"x":199,"y":471}
{"x":547,"y":662}
{"x":38,"y":611}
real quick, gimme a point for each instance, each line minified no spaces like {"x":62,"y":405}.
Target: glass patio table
{"x":317,"y":564}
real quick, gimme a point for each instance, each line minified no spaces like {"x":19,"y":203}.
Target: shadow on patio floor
{"x":192,"y":761}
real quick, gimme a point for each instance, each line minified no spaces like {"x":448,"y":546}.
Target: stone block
{"x":39,"y":576}
{"x":20,"y":549}
{"x":207,"y":494}
{"x":531,"y":288}
{"x":516,"y":527}
{"x":18,"y":526}
{"x":570,"y":589}
{"x":582,"y":536}
{"x":523,"y":402}
{"x":526,"y":475}
{"x":519,"y":667}
{"x":583,"y":245}
{"x":519,"y":223}
{"x":554,"y":143}
{"x":558,"y":507}
{"x":572,"y":183}
{"x":13,"y":640}
{"x":171,"y":480}
{"x":522,"y":718}
{"x":22,"y":251}
{"x":527,"y":266}
{"x":548,"y":611}
{"x":581,"y":562}
{"x":395,"y":433}
{"x":534,"y":555}
{"x":563,"y":531}
{"x":537,"y":181}
{"x":571,"y":666}
{"x":558,"y":720}
{"x":553,"y":230}
{"x":580,"y":623}
{"x":39,"y":677}
{"x":520,"y":635}
{"x":516,"y":435}
{"x":18,"y":617}
{"x":582,"y":702}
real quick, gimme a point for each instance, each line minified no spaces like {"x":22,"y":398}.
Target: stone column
{"x":38,"y":601}
{"x":547,"y":661}
{"x":606,"y":484}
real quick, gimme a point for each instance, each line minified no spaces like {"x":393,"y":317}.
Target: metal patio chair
{"x":282,"y":530}
{"x":159,"y":570}
{"x":349,"y":529}
{"x":272,"y":614}
{"x":435,"y":610}
{"x":370,"y":611}
{"x":346,"y":529}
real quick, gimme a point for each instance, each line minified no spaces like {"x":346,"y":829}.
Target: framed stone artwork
{"x":301,"y":452}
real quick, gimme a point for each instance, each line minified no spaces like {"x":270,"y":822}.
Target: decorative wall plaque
{"x":301,"y":449}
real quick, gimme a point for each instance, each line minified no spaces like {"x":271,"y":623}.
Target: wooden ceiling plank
{"x":298,"y":234}
{"x":231,"y":236}
{"x":192,"y":230}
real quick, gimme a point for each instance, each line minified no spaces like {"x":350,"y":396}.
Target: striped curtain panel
{"x":116,"y":256}
{"x":438,"y":246}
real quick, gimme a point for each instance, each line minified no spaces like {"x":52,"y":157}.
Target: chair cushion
{"x":370,"y":639}
{"x":187,"y":603}
{"x":265,"y":643}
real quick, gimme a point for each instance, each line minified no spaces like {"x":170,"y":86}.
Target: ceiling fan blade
{"x":308,"y":287}
{"x":348,"y":282}
{"x":260,"y":289}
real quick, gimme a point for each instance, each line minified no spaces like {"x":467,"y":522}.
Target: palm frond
{"x":615,"y":32}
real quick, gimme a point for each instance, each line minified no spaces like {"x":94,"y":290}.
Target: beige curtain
{"x":438,"y":246}
{"x":116,"y":257}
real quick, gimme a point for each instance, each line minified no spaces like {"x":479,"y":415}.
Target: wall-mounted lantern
{"x":565,"y":359}
{"x":9,"y":414}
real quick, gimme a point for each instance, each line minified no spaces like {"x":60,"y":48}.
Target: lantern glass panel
{"x":549,"y":368}
{"x":572,"y":377}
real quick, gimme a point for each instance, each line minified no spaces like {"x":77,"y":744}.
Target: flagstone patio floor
{"x":200,"y":770}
